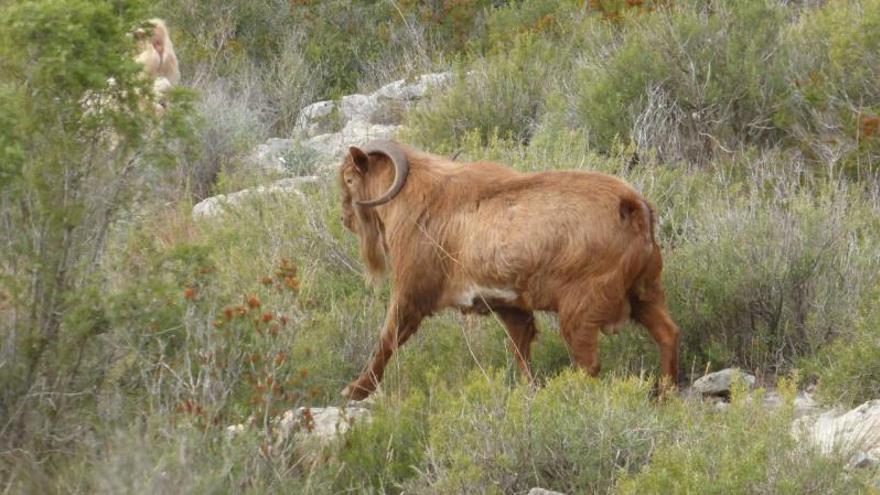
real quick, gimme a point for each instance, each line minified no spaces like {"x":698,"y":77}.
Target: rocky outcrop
{"x":287,"y":156}
{"x":333,"y":146}
{"x":329,"y":127}
{"x":215,"y":205}
{"x":386,"y":106}
{"x":323,"y":133}
{"x":855,"y":433}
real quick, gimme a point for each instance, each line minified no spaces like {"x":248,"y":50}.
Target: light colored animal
{"x":156,"y":51}
{"x":480,"y":237}
{"x":156,"y":55}
{"x":161,"y":87}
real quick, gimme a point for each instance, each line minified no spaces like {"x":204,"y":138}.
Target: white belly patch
{"x":475,"y":295}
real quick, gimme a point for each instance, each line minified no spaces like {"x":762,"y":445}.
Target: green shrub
{"x":744,"y":449}
{"x":849,"y":371}
{"x":381,"y":455}
{"x":688,"y":80}
{"x":576,"y":434}
{"x":833,"y":83}
{"x":501,"y":95}
{"x":763,"y":277}
{"x":73,"y":162}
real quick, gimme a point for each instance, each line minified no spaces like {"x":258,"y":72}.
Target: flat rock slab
{"x":855,"y":433}
{"x":216,"y":205}
{"x":332,"y":147}
{"x":803,"y":405}
{"x":541,"y":491}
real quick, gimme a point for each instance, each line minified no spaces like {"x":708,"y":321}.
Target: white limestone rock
{"x":216,"y":205}
{"x":719,"y":382}
{"x":855,"y":433}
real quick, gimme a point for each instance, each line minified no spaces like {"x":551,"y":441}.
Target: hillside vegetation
{"x":133,"y":335}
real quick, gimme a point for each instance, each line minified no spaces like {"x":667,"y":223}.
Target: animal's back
{"x":533,"y":225}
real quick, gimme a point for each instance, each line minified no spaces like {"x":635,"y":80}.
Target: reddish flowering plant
{"x":252,"y":301}
{"x":248,"y":348}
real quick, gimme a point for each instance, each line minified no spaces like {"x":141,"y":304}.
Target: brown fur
{"x":483,"y":238}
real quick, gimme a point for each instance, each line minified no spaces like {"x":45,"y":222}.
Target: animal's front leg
{"x":401,"y":322}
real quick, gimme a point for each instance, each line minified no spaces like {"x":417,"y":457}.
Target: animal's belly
{"x":481,"y":300}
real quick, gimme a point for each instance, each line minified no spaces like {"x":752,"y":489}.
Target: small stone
{"x":772,"y":399}
{"x":542,"y":491}
{"x":720,"y":382}
{"x":863,"y":460}
{"x":322,"y":423}
{"x":233,"y":431}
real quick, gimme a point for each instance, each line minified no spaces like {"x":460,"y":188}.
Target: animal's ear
{"x":359,"y":158}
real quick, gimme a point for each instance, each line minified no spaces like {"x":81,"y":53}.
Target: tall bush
{"x":73,"y":156}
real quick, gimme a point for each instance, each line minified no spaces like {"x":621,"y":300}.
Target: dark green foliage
{"x":72,"y":156}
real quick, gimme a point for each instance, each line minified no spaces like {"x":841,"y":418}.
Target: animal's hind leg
{"x":581,"y":334}
{"x":585,"y":310}
{"x":521,"y":328}
{"x":654,"y":316}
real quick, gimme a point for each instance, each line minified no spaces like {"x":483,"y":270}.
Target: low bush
{"x":849,"y":371}
{"x":501,"y":96}
{"x":744,"y":449}
{"x":832,"y":113}
{"x":576,"y":434}
{"x":688,"y":80}
{"x":761,"y":279}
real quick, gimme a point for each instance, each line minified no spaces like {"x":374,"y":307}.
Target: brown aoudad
{"x":483,"y":238}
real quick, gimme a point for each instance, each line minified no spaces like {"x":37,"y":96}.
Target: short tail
{"x":648,"y":214}
{"x":641,"y":215}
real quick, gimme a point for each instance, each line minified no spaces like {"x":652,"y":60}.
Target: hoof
{"x":355,"y":391}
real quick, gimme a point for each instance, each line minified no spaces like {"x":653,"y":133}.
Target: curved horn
{"x":401,"y":169}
